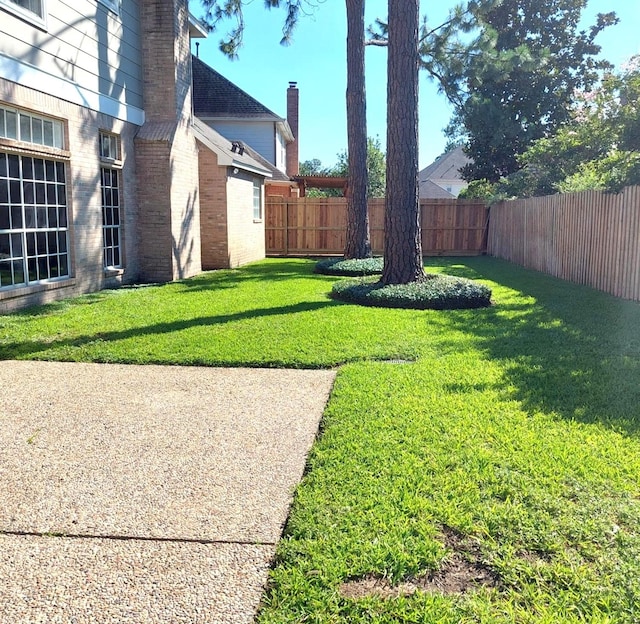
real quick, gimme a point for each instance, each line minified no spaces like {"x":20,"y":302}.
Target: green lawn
{"x":514,"y":429}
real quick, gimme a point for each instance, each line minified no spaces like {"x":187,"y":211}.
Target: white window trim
{"x":257,"y":184}
{"x":112,"y":5}
{"x":27,"y":16}
{"x":57,"y":127}
{"x":115,"y":160}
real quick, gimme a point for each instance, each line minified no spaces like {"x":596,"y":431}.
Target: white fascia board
{"x":239,"y":118}
{"x":285,"y":130}
{"x":197,"y":30}
{"x":251,"y":168}
{"x":30,"y":76}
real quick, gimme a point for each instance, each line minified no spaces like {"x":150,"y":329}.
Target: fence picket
{"x":590,"y":238}
{"x":317,"y":226}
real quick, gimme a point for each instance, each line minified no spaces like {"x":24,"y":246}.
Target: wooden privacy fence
{"x":591,"y":238}
{"x":317,"y":226}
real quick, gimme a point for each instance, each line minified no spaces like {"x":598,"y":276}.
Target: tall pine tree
{"x":402,"y":245}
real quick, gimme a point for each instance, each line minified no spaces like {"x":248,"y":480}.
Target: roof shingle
{"x":215,"y":96}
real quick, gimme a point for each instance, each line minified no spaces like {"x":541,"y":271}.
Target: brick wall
{"x":230,"y":236}
{"x":82,"y":127}
{"x":167,"y":156}
{"x":185,"y":202}
{"x":281,"y":189}
{"x":245,"y":235}
{"x":213,"y":211}
{"x":159,"y":182}
{"x":166,"y":59}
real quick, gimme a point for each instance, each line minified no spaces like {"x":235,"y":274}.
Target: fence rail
{"x":317,"y":226}
{"x":591,"y":238}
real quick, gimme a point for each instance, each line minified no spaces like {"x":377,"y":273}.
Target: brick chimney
{"x":292,"y":117}
{"x":166,"y":151}
{"x":166,"y":60}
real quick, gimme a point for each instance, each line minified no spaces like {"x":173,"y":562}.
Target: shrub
{"x":350,"y":268}
{"x":436,"y":292}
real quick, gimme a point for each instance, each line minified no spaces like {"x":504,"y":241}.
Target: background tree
{"x":520,"y":88}
{"x":402,"y":245}
{"x":598,"y":150}
{"x":376,"y":171}
{"x":376,"y":168}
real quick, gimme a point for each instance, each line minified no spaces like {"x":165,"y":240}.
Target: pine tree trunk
{"x":358,"y":243}
{"x":402,"y":245}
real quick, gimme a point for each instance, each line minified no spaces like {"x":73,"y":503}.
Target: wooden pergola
{"x":321,"y":182}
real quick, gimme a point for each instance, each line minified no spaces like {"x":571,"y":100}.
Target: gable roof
{"x":446,"y":167}
{"x":223,"y":149}
{"x":430,"y":190}
{"x":215,"y":96}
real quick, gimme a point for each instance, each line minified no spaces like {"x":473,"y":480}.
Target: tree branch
{"x":382,"y":43}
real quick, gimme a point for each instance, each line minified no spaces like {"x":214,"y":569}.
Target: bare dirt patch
{"x":461,"y":571}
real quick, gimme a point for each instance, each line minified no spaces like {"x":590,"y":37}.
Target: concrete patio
{"x":147,"y":494}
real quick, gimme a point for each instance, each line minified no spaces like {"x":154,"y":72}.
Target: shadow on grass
{"x":270,"y":270}
{"x":264,"y":271}
{"x":574,"y":352}
{"x":27,"y":348}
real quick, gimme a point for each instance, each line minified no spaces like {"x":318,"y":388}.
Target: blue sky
{"x":316,"y":61}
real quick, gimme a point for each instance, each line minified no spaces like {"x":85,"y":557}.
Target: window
{"x":111,"y":218}
{"x":22,"y":126}
{"x":257,"y":199}
{"x":34,"y":237}
{"x":31,"y":10}
{"x":110,"y":184}
{"x":109,"y":146}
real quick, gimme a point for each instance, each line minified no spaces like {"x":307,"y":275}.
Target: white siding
{"x":88,"y":54}
{"x":260,"y":135}
{"x":452,"y":186}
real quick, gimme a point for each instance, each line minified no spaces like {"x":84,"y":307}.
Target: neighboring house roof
{"x":215,"y":97}
{"x":446,"y":167}
{"x":227,"y":151}
{"x":430,"y":190}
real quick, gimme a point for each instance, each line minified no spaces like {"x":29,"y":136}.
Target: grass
{"x":515,"y":426}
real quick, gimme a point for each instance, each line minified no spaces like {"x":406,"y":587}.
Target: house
{"x":442,"y":178}
{"x":101,"y":158}
{"x":238,"y":116}
{"x":231,"y":178}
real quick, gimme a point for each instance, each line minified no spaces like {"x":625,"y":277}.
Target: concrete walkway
{"x":146,"y":493}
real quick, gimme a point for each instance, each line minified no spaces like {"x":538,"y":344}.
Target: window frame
{"x":38,"y":221}
{"x":57,"y":127}
{"x":257,"y":208}
{"x":114,"y":147}
{"x":25,"y":14}
{"x":112,"y":233}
